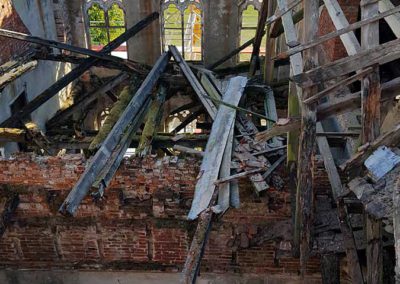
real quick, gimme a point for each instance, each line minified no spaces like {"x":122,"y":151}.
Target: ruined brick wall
{"x":334,"y":48}
{"x":10,"y":20}
{"x":141,"y":225}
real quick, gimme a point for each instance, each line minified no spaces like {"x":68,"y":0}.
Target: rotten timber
{"x":100,"y":159}
{"x":152,"y":122}
{"x":75,"y":73}
{"x":304,"y":195}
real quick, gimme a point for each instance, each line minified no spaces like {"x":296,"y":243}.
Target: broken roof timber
{"x":74,"y":74}
{"x":113,"y":140}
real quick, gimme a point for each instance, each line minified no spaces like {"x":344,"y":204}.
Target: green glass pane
{"x":98,"y":36}
{"x":116,"y":16}
{"x":96,"y":16}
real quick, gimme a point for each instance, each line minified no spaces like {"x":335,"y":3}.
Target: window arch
{"x":250,"y":13}
{"x":182,"y":26}
{"x":105,"y":22}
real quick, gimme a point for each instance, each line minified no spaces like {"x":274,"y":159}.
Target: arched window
{"x":182,"y":26}
{"x":105,"y":22}
{"x":248,"y":27}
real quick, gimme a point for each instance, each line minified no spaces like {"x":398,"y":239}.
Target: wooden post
{"x":396,"y":225}
{"x":75,"y":73}
{"x":370,"y":108}
{"x":152,"y":123}
{"x":15,"y":73}
{"x":307,"y":140}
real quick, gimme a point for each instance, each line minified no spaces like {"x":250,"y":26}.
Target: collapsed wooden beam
{"x":380,"y":54}
{"x":76,"y":49}
{"x":15,"y":73}
{"x":194,"y":115}
{"x":113,"y":139}
{"x":281,"y":127}
{"x":75,"y":73}
{"x":83,"y":102}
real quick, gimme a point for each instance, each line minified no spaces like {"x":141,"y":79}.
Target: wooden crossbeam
{"x":394,"y":19}
{"x":101,"y":158}
{"x":381,"y":54}
{"x":75,"y":73}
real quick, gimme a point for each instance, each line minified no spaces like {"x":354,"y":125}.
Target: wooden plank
{"x":13,"y":74}
{"x":82,"y":103}
{"x":381,"y":54}
{"x":215,"y":148}
{"x":349,"y":40}
{"x":304,"y":195}
{"x":153,"y":122}
{"x":188,"y":150}
{"x":281,"y":127}
{"x":224,"y":189}
{"x":394,"y":20}
{"x":337,"y":33}
{"x":74,"y":74}
{"x":113,"y":139}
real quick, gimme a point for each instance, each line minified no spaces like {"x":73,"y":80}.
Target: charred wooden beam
{"x":130,"y":67}
{"x":152,"y":124}
{"x":75,"y":73}
{"x":76,"y":49}
{"x":113,"y":140}
{"x":330,"y":269}
{"x":15,"y":73}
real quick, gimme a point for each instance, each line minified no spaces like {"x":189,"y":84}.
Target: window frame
{"x":105,"y":5}
{"x":182,"y":5}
